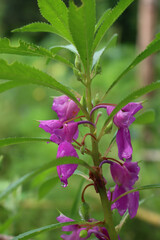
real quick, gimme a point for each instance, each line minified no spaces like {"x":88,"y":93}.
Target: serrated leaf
{"x":109,"y":18}
{"x":146,"y":117}
{"x":18,"y":140}
{"x":28,"y":49}
{"x":54,"y":163}
{"x":82,"y":25}
{"x":102,"y":18}
{"x":38,"y":231}
{"x":133,"y":96}
{"x":47,"y":186}
{"x":97,"y":55}
{"x":153,"y":47}
{"x":37,"y":27}
{"x":26,"y":74}
{"x":56,"y":13}
{"x":23,"y":48}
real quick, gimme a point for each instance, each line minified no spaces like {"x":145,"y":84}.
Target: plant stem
{"x":106,"y":204}
{"x":108,"y":219}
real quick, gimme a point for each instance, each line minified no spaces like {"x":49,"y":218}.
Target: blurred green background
{"x":21,"y":107}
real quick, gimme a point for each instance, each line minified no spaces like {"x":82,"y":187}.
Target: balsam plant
{"x":78,"y":26}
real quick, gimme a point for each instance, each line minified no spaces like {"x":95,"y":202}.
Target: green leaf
{"x":77,"y":199}
{"x":26,"y":74}
{"x":10,"y":84}
{"x":146,"y":117}
{"x":82,"y":24}
{"x":56,"y":13}
{"x":17,"y":140}
{"x":97,"y":55}
{"x":146,"y":187}
{"x":47,"y":186}
{"x":133,"y":96}
{"x":153,"y":47}
{"x":69,"y":47}
{"x":108,"y":19}
{"x":28,"y":49}
{"x":38,"y":231}
{"x":23,"y":49}
{"x":102,"y":18}
{"x":37,"y":27}
{"x":54,"y":163}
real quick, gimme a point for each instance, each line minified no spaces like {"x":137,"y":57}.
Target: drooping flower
{"x":59,"y":131}
{"x":65,"y":108}
{"x":99,"y":232}
{"x":66,"y":149}
{"x":129,"y":201}
{"x":125,"y":175}
{"x":123,"y":119}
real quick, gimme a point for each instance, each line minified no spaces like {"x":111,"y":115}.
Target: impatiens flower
{"x":99,"y":232}
{"x":59,"y":131}
{"x":129,"y":201}
{"x":123,"y":119}
{"x":125,"y":175}
{"x":65,"y":108}
{"x":66,"y":149}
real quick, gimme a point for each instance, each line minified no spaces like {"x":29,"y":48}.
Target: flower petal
{"x":50,"y":125}
{"x":133,"y":203}
{"x":65,"y":108}
{"x":66,"y":149}
{"x":123,"y":140}
{"x":122,"y":203}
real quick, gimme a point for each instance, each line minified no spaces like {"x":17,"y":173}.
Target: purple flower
{"x":123,"y":119}
{"x":65,"y":108}
{"x":125,"y":175}
{"x":66,"y":149}
{"x":59,"y":131}
{"x":99,"y":232}
{"x":129,"y":201}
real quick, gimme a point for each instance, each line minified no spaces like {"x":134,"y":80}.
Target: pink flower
{"x":66,"y":149}
{"x":123,"y":119}
{"x":65,"y":108}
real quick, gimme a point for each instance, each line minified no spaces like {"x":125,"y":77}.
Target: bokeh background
{"x":26,"y":209}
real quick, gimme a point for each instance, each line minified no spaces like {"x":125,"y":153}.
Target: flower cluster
{"x":123,"y":171}
{"x":99,"y":232}
{"x":62,"y":133}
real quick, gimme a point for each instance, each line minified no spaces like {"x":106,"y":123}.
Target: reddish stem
{"x":72,"y":119}
{"x":113,"y":159}
{"x":88,"y":134}
{"x":82,"y":197}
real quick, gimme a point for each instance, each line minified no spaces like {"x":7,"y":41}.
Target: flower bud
{"x":84,"y":211}
{"x":83,"y":234}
